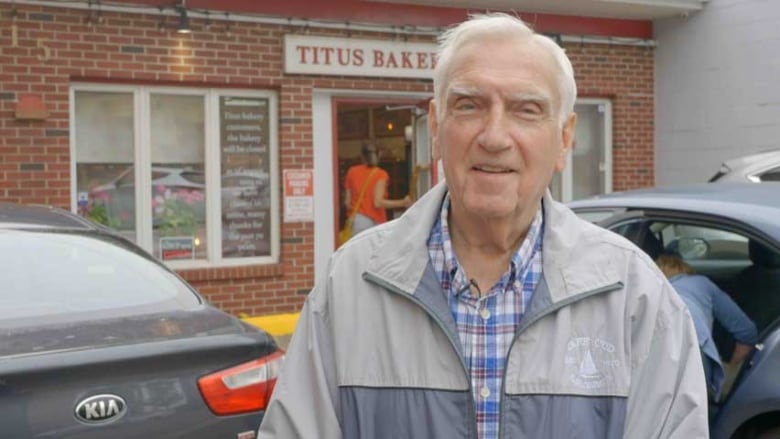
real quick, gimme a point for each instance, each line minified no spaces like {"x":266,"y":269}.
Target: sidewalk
{"x":280,"y":326}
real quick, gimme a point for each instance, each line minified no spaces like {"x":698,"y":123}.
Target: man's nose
{"x":495,"y":133}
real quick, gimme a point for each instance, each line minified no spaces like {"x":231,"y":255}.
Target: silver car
{"x":754,"y":168}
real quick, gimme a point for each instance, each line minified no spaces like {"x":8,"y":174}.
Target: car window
{"x":51,"y":275}
{"x":624,"y":229}
{"x":771,"y":175}
{"x":694,"y":242}
{"x":712,"y":251}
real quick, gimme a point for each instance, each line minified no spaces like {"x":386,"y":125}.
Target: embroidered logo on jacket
{"x":589,"y":362}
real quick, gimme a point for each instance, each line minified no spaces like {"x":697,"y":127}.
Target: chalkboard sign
{"x":246,"y":182}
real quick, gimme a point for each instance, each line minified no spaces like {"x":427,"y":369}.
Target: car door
{"x":723,"y":250}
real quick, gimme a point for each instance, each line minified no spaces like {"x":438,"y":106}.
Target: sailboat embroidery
{"x":584,"y":370}
{"x":588,"y":369}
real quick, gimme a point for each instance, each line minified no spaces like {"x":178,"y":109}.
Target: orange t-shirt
{"x":356,"y":176}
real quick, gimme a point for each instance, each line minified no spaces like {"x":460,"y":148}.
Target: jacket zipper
{"x":535,"y":318}
{"x":381,"y":282}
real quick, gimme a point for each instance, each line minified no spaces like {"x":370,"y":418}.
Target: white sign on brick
{"x":355,"y":57}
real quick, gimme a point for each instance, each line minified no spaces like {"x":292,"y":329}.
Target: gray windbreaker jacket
{"x":605,"y":350}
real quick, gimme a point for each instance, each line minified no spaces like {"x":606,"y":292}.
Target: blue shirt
{"x":706,"y":303}
{"x":486,"y":325}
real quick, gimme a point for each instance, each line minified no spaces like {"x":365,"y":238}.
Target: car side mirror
{"x":689,"y":248}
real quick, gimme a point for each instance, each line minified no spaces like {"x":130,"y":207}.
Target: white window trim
{"x":567,"y":178}
{"x":212,"y":157}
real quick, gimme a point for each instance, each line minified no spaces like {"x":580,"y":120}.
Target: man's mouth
{"x":492,"y":169}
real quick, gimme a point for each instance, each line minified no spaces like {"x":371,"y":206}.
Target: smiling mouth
{"x":492,"y":169}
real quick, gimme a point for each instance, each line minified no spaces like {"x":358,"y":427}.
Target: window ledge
{"x":225,"y":273}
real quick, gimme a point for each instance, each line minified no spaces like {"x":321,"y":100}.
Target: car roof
{"x":740,"y":168}
{"x":751,"y":203}
{"x":16,"y":216}
{"x":747,"y":160}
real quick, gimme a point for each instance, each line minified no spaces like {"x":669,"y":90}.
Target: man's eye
{"x":464,"y":105}
{"x":530,"y":110}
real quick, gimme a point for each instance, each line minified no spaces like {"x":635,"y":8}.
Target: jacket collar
{"x":402,"y":257}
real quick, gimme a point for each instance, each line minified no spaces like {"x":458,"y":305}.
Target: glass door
{"x":588,"y":169}
{"x":422,"y":178}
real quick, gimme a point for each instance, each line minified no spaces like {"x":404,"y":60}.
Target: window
{"x":771,"y":175}
{"x":188,"y":174}
{"x":710,"y":250}
{"x":699,"y":243}
{"x":588,"y":170}
{"x":56,"y":276}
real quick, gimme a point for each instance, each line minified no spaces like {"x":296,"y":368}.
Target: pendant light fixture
{"x":184,"y":21}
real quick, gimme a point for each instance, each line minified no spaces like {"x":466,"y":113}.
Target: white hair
{"x":493,"y":25}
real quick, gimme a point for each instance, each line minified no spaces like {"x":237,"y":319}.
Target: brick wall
{"x":55,"y":47}
{"x":624,"y":75}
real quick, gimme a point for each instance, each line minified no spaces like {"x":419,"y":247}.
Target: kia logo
{"x":100,"y":409}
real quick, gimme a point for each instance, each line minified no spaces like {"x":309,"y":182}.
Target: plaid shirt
{"x":487,"y":325}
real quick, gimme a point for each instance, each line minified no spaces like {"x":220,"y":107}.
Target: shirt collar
{"x":518,"y":263}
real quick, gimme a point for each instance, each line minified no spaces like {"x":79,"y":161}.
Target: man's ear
{"x":433,"y":130}
{"x":567,"y":140}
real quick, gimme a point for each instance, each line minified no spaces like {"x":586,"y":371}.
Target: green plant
{"x":99,"y":214}
{"x":176,"y":217}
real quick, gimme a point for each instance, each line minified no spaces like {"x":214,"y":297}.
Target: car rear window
{"x":49,"y":275}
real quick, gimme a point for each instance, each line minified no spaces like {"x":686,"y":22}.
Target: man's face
{"x":500,"y":138}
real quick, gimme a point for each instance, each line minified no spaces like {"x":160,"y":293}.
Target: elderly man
{"x":488,"y":310}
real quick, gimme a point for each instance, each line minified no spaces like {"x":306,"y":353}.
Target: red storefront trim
{"x":395,"y":14}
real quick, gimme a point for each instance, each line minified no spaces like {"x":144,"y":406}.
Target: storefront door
{"x":334,"y":150}
{"x":588,"y":170}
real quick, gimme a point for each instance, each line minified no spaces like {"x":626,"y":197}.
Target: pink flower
{"x":198,"y":196}
{"x":190,"y":196}
{"x":101,"y":195}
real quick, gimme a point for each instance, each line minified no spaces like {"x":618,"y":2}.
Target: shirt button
{"x":484,"y":313}
{"x":484,"y":392}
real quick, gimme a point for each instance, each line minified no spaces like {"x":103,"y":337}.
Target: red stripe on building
{"x":415,"y":15}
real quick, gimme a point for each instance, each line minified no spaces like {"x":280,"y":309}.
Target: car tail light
{"x":243,"y":388}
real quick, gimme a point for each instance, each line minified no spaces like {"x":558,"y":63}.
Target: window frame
{"x":212,"y":166}
{"x":566,"y":176}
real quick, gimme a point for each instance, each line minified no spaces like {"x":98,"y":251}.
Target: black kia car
{"x":100,"y":340}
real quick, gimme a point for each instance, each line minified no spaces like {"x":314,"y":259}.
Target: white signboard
{"x":355,"y":57}
{"x":298,"y":195}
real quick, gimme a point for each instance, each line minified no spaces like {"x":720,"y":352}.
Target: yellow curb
{"x":275,"y":324}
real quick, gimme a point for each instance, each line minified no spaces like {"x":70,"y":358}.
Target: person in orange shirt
{"x":372,"y":207}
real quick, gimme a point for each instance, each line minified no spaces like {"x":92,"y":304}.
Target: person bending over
{"x":707,"y":303}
